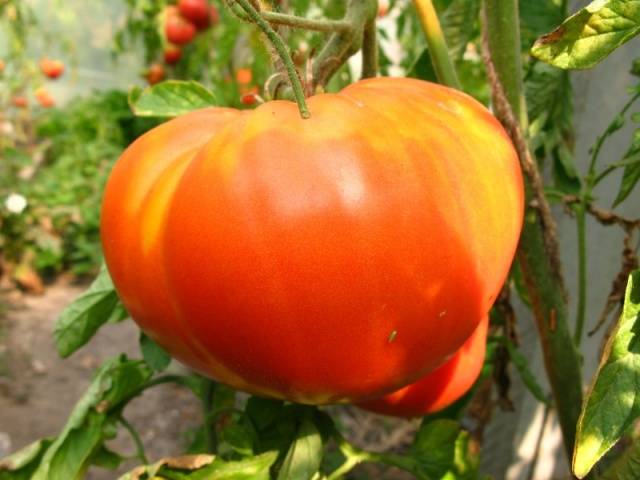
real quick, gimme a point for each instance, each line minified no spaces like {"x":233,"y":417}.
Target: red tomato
{"x":44,"y":98}
{"x":249,"y":98}
{"x":155,"y":74}
{"x":383,"y":8}
{"x":20,"y":101}
{"x":51,"y":68}
{"x":325,"y":260}
{"x":196,"y":11}
{"x":441,"y":387}
{"x":172,"y":54}
{"x":2,"y":66}
{"x":178,"y":30}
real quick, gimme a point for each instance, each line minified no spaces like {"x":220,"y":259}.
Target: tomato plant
{"x":318,"y":228}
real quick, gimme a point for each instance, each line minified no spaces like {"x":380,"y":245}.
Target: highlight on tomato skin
{"x":285,"y":274}
{"x":440,"y":388}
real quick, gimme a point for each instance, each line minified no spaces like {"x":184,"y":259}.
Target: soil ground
{"x":38,"y":389}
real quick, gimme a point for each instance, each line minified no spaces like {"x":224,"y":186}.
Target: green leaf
{"x":626,"y":466}
{"x":305,"y":454}
{"x":613,"y":403}
{"x":536,"y":18}
{"x":522,"y":366}
{"x":201,"y":467}
{"x":587,"y":37}
{"x":434,"y":446}
{"x":263,"y":411}
{"x":155,"y":356}
{"x":460,"y":25}
{"x":631,"y":174}
{"x":22,"y":464}
{"x":68,"y":457}
{"x":105,"y":458}
{"x":82,"y":319}
{"x":239,"y":438}
{"x":171,"y":98}
{"x":422,"y":68}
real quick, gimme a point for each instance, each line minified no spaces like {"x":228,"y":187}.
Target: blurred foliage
{"x":61,"y":177}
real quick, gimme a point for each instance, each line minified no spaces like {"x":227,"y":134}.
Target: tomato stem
{"x":281,"y":49}
{"x":293,"y":21}
{"x":438,"y":51}
{"x":361,"y":14}
{"x":140,"y":453}
{"x":538,"y":252}
{"x":370,"y":50}
{"x":208,"y":392}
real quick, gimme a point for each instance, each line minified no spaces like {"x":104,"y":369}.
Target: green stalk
{"x":208,"y":392}
{"x":369,"y":50}
{"x":327,"y":26}
{"x":503,"y":34}
{"x":538,"y":252}
{"x":293,"y":21}
{"x":438,"y":51}
{"x":581,"y":215}
{"x":140,"y":453}
{"x":281,"y":48}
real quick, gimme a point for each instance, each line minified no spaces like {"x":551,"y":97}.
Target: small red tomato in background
{"x":196,"y":11}
{"x":172,"y":54}
{"x":442,"y":386}
{"x":249,"y":97}
{"x":20,"y":101}
{"x":178,"y":30}
{"x":44,"y":97}
{"x":155,"y":74}
{"x":2,"y":65}
{"x":51,"y":68}
{"x":383,"y":8}
{"x":243,"y":76}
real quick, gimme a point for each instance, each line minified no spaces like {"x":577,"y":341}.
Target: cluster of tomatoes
{"x":180,"y":24}
{"x":51,"y":69}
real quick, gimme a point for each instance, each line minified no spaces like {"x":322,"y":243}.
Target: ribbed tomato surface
{"x":441,"y":387}
{"x":331,"y":259}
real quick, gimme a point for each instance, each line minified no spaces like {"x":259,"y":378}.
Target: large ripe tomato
{"x":441,"y":387}
{"x":332,"y":259}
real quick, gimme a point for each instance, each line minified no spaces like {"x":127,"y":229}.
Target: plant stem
{"x":503,"y":35}
{"x":208,"y":393}
{"x":581,"y":215}
{"x":538,"y":252}
{"x":281,"y":48}
{"x":327,"y":26}
{"x":438,"y":51}
{"x":341,"y":45}
{"x":355,"y":456}
{"x":140,"y":453}
{"x":369,"y":50}
{"x":595,"y":153}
